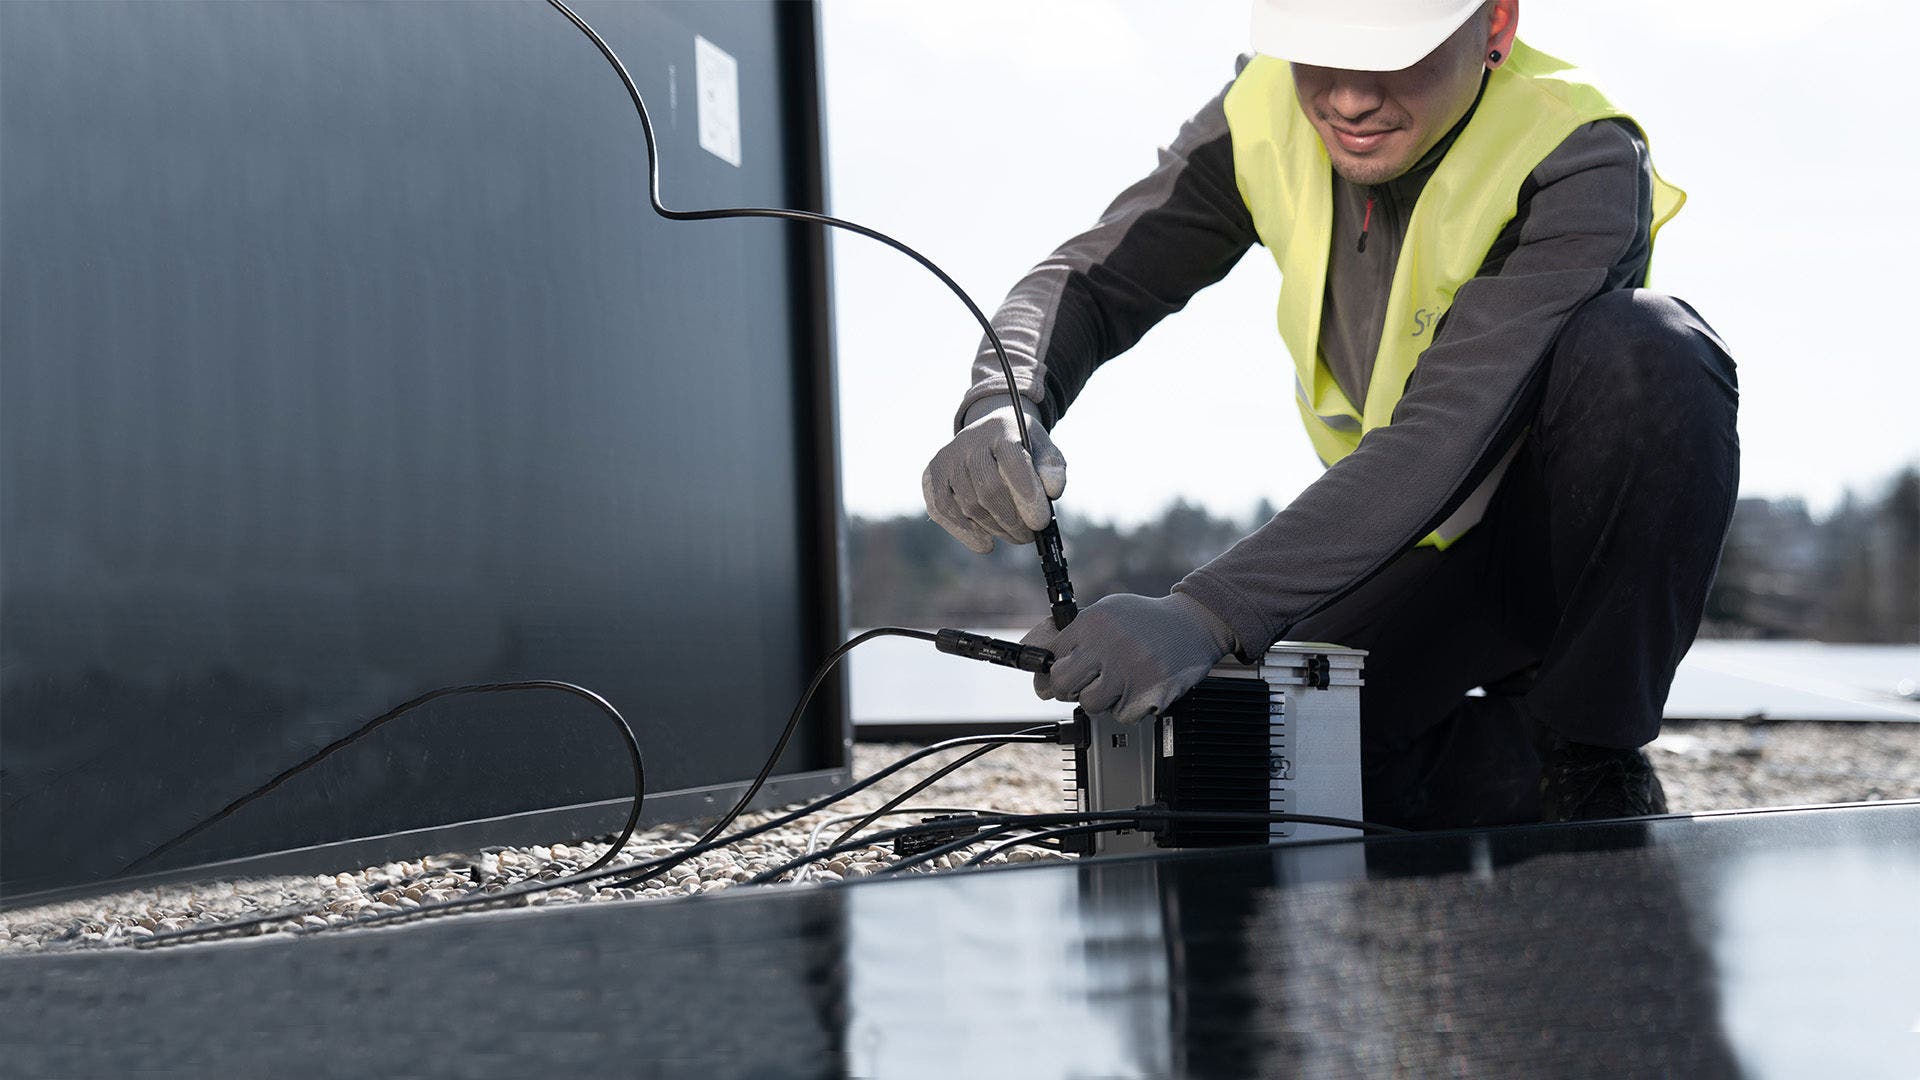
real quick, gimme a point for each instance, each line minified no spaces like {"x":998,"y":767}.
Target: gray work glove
{"x":982,"y":484}
{"x":1131,"y":655}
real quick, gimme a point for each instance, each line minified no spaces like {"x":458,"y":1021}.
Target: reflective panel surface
{"x":1782,"y":943}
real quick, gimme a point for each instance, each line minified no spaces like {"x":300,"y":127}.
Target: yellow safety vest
{"x":1530,"y":105}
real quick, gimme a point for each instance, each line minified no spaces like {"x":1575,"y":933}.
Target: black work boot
{"x":1587,"y":783}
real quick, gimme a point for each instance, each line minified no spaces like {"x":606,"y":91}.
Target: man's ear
{"x":1503,"y":20}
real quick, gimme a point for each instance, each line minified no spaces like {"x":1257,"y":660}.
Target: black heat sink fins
{"x":1216,"y":746}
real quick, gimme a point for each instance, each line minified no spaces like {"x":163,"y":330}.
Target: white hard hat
{"x":1360,"y":35}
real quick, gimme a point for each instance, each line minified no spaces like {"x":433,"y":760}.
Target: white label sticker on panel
{"x":716,"y":78}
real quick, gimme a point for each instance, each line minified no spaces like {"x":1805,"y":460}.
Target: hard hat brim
{"x":1321,"y":38}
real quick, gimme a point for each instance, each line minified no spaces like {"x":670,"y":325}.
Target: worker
{"x":1530,"y":458}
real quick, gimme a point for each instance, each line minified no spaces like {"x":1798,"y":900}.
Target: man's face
{"x":1379,"y":124}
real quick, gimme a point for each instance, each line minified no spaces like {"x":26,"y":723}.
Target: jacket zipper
{"x":1366,"y":223}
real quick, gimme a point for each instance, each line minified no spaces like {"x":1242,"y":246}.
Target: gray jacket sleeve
{"x":1582,"y":229}
{"x":1176,"y":231}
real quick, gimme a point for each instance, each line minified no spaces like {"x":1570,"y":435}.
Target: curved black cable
{"x":1048,"y":545}
{"x":793,"y":720}
{"x":599,"y":867}
{"x":933,"y":778}
{"x":626,"y":730}
{"x":653,"y":198}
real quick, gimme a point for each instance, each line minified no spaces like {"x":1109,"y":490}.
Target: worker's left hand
{"x":1131,"y":655}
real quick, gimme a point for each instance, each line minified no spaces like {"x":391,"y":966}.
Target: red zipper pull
{"x":1365,"y":224}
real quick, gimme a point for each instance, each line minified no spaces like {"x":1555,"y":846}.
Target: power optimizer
{"x":1279,"y":736}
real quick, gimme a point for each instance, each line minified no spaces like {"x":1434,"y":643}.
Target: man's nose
{"x":1354,"y":94}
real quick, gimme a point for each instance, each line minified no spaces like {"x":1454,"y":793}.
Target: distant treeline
{"x":908,"y":570}
{"x":1850,"y":576}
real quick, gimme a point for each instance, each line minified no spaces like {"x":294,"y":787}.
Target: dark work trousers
{"x":1573,"y":600}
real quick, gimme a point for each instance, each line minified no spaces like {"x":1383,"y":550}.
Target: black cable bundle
{"x":636,"y":873}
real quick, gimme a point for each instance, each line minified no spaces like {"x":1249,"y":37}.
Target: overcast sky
{"x":988,"y":131}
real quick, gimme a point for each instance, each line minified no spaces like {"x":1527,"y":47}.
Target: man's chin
{"x":1366,"y":172}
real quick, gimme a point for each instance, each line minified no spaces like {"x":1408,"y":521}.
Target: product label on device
{"x":716,"y":79}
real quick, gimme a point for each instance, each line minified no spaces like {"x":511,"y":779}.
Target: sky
{"x":987,"y":132}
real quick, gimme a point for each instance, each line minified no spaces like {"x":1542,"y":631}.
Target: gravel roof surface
{"x":1703,"y":765}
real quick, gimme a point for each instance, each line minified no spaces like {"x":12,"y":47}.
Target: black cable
{"x":633,"y":752}
{"x":964,"y":842}
{"x":932,"y":779}
{"x":793,"y":724}
{"x":1039,"y":839}
{"x":813,"y":835}
{"x":874,"y":840}
{"x":1047,"y":541}
{"x":983,"y":835}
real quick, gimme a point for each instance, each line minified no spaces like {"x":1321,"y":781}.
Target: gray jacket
{"x":1582,"y":229}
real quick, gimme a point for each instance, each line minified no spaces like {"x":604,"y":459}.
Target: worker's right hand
{"x":982,"y":484}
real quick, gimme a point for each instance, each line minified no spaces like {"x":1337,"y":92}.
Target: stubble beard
{"x":1368,"y":173}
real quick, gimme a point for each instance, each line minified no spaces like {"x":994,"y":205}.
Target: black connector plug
{"x":1053,"y":565}
{"x":993,"y":650}
{"x":916,"y":843}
